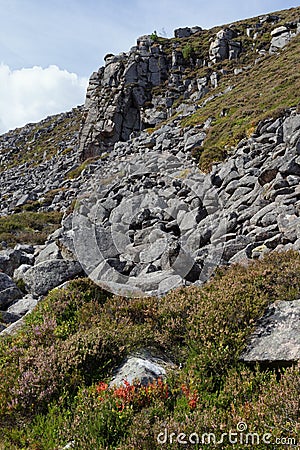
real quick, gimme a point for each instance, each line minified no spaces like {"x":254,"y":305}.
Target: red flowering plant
{"x":191,"y":395}
{"x":134,"y":395}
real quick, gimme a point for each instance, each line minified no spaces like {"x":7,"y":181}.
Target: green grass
{"x":77,"y":171}
{"x":51,"y":370}
{"x":28,"y":227}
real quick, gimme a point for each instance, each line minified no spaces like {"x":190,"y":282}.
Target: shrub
{"x":28,"y":227}
{"x":154,"y":36}
{"x":77,"y":336}
{"x":188,"y":51}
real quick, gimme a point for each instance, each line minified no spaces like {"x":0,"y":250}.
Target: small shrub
{"x":154,"y":36}
{"x":188,"y":51}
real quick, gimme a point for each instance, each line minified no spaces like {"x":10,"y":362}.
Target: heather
{"x":55,"y":371}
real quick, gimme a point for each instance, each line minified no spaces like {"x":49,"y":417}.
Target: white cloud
{"x":29,"y":95}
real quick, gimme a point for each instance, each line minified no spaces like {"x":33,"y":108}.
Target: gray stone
{"x":8,"y":291}
{"x":143,"y":367}
{"x":267,"y":175}
{"x":276,"y":339}
{"x":9,"y":260}
{"x":235,"y":49}
{"x":8,"y":317}
{"x":47,"y":275}
{"x":290,"y":167}
{"x":281,"y":36}
{"x":169,"y":283}
{"x":24,"y":305}
{"x":223,"y":47}
{"x":154,"y":251}
{"x":289,"y":226}
{"x":20,"y":271}
{"x":257,"y":217}
{"x":13,"y":328}
{"x":186,"y":32}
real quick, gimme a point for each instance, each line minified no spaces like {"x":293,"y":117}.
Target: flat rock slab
{"x":276,"y":339}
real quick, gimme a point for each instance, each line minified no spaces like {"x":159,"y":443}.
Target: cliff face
{"x":117,"y":95}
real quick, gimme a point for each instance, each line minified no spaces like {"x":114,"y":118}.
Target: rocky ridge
{"x":35,"y":162}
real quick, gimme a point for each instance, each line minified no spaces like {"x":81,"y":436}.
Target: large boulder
{"x":47,"y":275}
{"x":276,"y":339}
{"x":23,"y":306}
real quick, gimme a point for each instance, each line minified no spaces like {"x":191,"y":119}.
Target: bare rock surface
{"x":276,"y":338}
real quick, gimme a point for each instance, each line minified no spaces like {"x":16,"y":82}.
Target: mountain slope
{"x":193,"y":274}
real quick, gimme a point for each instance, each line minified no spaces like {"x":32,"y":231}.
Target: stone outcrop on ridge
{"x":123,"y":87}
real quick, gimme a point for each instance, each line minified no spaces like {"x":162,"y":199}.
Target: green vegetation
{"x":28,"y":227}
{"x":77,"y":171}
{"x":55,"y":371}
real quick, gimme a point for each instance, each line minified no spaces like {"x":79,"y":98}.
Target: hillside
{"x":149,"y":271}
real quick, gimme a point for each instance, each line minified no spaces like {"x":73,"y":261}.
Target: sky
{"x":49,"y":48}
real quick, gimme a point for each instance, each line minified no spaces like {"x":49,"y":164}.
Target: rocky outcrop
{"x":282,"y":35}
{"x":276,"y":339}
{"x":123,"y":87}
{"x":224,"y":47}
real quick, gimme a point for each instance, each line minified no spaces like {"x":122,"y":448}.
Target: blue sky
{"x":74,"y":36}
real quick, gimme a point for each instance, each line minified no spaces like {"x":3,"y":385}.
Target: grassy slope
{"x":263,"y":90}
{"x":50,"y":371}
